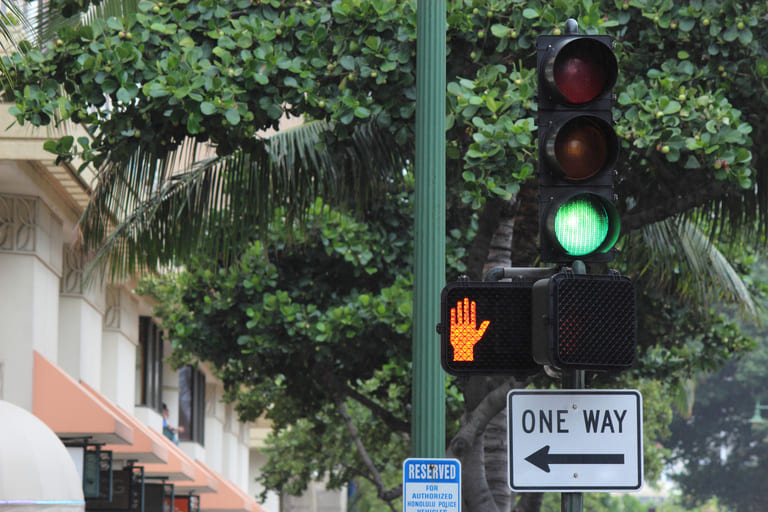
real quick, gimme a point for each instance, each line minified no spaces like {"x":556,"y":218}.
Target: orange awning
{"x":204,"y":481}
{"x":229,"y":498}
{"x":145,"y":448}
{"x":179,"y":466}
{"x":71,"y":410}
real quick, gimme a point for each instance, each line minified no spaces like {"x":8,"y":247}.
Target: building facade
{"x":88,"y":361}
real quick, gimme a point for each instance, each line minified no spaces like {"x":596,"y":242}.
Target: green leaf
{"x":692,"y":163}
{"x":624,"y":98}
{"x":672,"y":108}
{"x":124,"y":96}
{"x":731,"y":34}
{"x":530,"y":13}
{"x":347,"y":62}
{"x":115,"y":23}
{"x":745,"y":36}
{"x":207,"y":108}
{"x":51,"y":146}
{"x":499,"y":30}
{"x":233,"y":116}
{"x":687,"y":24}
{"x":154,"y":90}
{"x":64,"y":144}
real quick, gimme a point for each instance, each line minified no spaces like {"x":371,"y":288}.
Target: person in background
{"x":170,"y":432}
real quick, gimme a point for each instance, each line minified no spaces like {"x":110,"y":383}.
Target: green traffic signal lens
{"x":582,"y":225}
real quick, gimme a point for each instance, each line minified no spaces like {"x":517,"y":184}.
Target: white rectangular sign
{"x":432,"y":485}
{"x":575,"y":440}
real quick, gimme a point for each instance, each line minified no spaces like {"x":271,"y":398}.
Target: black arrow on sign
{"x":542,"y":458}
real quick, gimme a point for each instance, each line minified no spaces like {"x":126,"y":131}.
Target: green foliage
{"x":324,"y":313}
{"x":278,"y":328}
{"x":204,"y":69}
{"x":601,"y":502}
{"x":180,"y":69}
{"x":302,"y":322}
{"x":722,"y":454}
{"x":338,"y":462}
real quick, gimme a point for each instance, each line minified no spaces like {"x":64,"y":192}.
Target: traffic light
{"x":584,"y":322}
{"x":578,"y":147}
{"x":485,"y":328}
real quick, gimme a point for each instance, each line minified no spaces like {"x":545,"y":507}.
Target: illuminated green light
{"x":581,"y":225}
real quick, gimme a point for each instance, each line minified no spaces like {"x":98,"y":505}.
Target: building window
{"x":149,"y":371}
{"x":191,"y":404}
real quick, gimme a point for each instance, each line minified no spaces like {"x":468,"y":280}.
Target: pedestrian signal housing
{"x":584,"y":322}
{"x":485,"y":328}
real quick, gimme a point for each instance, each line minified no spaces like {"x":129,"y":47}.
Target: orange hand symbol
{"x":464,"y":335}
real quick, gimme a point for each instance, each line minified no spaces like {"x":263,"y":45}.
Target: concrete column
{"x":30,"y":268}
{"x":80,"y":323}
{"x":120,"y":338}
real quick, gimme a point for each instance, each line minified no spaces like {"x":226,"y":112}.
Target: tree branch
{"x":343,"y":389}
{"x":665,"y":207}
{"x":474,"y":422}
{"x":386,"y":416}
{"x":376,"y":476}
{"x":486,"y":226}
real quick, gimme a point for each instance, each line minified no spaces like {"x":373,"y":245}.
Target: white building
{"x":88,"y":362}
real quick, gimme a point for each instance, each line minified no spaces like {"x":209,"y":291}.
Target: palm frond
{"x":683,"y":259}
{"x":47,"y":19}
{"x":145,"y":214}
{"x":13,"y":25}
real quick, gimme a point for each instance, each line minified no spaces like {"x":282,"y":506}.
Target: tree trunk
{"x":496,"y":469}
{"x":529,"y":502}
{"x":475,"y":489}
{"x":484,"y":455}
{"x":524,"y":252}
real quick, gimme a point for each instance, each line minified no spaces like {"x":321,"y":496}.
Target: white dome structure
{"x":36,"y":471}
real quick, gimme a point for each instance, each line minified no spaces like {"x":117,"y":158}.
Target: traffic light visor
{"x":583,"y":69}
{"x":583,"y":224}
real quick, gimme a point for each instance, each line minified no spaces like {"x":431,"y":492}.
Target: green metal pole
{"x":428,"y":413}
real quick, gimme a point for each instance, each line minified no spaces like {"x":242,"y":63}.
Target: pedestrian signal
{"x":485,"y":328}
{"x":584,"y":322}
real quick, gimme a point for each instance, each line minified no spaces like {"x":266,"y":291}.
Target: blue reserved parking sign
{"x":431,"y":485}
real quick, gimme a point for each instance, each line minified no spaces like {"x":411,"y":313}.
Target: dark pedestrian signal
{"x":584,"y":322}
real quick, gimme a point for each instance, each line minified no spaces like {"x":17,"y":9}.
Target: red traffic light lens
{"x":581,"y":148}
{"x":583,"y":69}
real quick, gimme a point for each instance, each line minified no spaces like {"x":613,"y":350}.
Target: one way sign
{"x":575,"y":440}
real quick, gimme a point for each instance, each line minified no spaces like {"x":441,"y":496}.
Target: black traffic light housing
{"x":578,"y":147}
{"x":584,"y":322}
{"x":485,"y":328}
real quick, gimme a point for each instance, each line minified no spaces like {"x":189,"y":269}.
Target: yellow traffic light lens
{"x":581,"y":225}
{"x":581,"y":148}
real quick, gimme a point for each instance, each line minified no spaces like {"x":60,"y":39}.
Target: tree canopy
{"x":270,"y":285}
{"x":219,"y":72}
{"x":721,"y":451}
